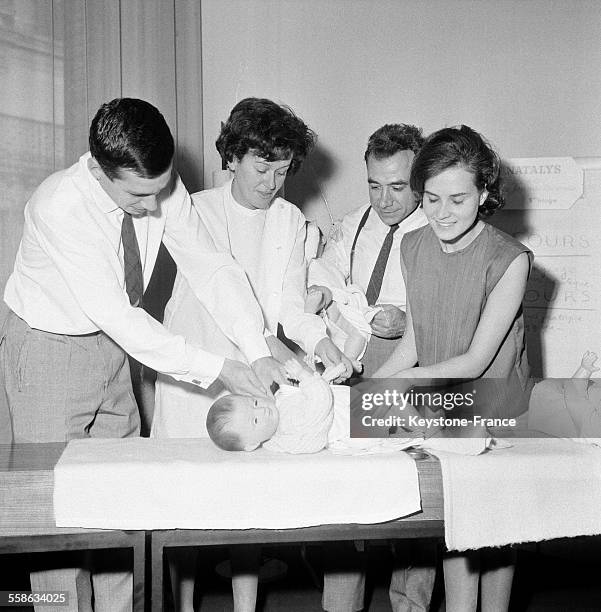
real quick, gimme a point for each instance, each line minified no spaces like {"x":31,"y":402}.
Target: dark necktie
{"x":377,"y":275}
{"x":132,"y":267}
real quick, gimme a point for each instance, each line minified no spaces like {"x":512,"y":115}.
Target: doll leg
{"x":461,"y":574}
{"x":497,"y":577}
{"x":182,"y":569}
{"x":245,"y":560}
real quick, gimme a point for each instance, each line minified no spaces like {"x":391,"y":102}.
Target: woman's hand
{"x":331,"y":355}
{"x":268,"y":371}
{"x":295,"y":371}
{"x":318,"y":298}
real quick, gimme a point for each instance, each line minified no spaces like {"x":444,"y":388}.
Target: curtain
{"x":31,"y":113}
{"x":61,"y":60}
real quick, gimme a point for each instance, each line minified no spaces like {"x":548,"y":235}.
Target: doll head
{"x":242,"y":422}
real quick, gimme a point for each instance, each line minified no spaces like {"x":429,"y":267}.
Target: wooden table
{"x":429,"y":523}
{"x":27,"y":518}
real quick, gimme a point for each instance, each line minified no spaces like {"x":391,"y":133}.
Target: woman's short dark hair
{"x":271,"y":131}
{"x":392,"y":138}
{"x":464,"y":147}
{"x":131,"y":134}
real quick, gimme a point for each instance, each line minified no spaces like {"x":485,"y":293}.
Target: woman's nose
{"x":443,"y":210}
{"x":269,"y":180}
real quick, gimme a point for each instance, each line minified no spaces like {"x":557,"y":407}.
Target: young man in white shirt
{"x":74,"y":310}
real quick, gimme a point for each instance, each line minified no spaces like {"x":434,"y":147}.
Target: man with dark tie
{"x":90,"y":242}
{"x":365,"y":247}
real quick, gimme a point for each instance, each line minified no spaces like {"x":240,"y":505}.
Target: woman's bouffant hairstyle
{"x":464,"y":147}
{"x":271,"y":131}
{"x":131,"y":134}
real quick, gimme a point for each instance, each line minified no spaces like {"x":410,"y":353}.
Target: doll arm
{"x":582,"y":410}
{"x":580,"y":379}
{"x":317,"y":393}
{"x":587,"y":365}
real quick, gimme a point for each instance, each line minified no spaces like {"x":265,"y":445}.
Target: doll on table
{"x":343,"y":307}
{"x":569,"y":408}
{"x":299,"y":420}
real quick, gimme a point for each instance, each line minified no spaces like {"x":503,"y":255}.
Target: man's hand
{"x":268,"y":371}
{"x":237,"y":377}
{"x":331,"y":355}
{"x":390,"y":322}
{"x":318,"y":298}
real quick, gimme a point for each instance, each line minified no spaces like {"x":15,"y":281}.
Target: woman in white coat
{"x":261,"y":143}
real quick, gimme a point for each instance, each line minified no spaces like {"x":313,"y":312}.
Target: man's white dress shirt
{"x":68,"y":275}
{"x":338,"y":252}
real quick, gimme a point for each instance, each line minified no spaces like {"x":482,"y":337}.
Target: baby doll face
{"x":254,"y":420}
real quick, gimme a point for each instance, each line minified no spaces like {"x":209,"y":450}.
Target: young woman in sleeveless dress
{"x":465,"y":284}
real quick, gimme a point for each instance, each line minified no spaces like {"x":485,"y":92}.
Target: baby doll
{"x":344,"y":308}
{"x":297,"y":421}
{"x":569,"y":408}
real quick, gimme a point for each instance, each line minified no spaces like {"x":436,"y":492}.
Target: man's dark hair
{"x":392,"y":138}
{"x":131,"y":134}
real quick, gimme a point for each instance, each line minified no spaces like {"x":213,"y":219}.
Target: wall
{"x":526,"y":74}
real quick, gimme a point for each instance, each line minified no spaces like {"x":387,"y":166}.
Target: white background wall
{"x":526,"y":73}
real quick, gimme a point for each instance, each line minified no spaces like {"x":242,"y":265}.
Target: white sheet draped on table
{"x":537,"y":489}
{"x":141,"y":483}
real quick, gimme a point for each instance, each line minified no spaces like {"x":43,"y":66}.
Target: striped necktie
{"x":132,"y":267}
{"x":377,"y":275}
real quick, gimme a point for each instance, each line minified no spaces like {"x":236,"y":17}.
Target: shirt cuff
{"x":205,"y":367}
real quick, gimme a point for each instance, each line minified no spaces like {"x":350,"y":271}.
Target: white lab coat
{"x":181,"y":409}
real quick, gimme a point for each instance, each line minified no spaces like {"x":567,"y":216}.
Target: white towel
{"x":537,"y":489}
{"x":141,"y":483}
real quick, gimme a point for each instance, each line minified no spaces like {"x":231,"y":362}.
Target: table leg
{"x":139,"y":543}
{"x":156,"y":573}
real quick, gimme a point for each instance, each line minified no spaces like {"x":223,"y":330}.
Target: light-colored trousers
{"x":57,"y":388}
{"x":411,"y":583}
